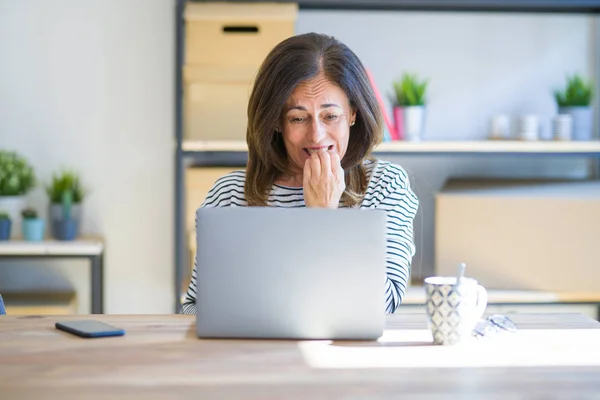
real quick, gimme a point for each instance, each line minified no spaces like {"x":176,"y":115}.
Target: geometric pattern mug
{"x":453,"y":311}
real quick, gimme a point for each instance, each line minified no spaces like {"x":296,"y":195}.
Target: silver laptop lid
{"x":301,"y":273}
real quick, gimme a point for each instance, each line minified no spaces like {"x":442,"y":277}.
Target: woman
{"x":313,"y":120}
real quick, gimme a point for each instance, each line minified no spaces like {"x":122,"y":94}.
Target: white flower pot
{"x":414,"y":123}
{"x":13,"y":205}
{"x":582,"y":124}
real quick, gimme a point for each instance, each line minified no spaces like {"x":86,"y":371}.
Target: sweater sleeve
{"x":401,"y":205}
{"x":189,"y":304}
{"x":225,"y":189}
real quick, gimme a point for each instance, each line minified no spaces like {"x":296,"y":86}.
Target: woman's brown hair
{"x":293,"y":61}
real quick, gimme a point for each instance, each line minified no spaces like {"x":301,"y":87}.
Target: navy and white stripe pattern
{"x":389,"y":189}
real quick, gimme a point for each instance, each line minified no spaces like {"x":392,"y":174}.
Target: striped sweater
{"x":389,"y":189}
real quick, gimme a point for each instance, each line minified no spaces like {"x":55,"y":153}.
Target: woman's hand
{"x":323,"y":180}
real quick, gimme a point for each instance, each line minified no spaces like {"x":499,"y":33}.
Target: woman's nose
{"x":317,"y":131}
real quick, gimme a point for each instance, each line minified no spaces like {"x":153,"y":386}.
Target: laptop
{"x":290,"y":273}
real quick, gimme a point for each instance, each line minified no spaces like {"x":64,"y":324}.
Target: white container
{"x":562,"y":127}
{"x":528,"y":128}
{"x":582,"y":121}
{"x":414,"y":123}
{"x":500,"y":127}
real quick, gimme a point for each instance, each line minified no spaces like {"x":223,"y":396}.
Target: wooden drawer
{"x":198,"y":181}
{"x":216,"y":103}
{"x":235,"y":35}
{"x":225,"y":45}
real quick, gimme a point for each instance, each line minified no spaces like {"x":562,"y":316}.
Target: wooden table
{"x":91,"y":249}
{"x":160,"y":357}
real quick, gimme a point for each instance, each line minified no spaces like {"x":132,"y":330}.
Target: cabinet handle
{"x":240,"y":29}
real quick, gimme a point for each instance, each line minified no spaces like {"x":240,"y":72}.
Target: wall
{"x":89,"y":85}
{"x":479,"y":64}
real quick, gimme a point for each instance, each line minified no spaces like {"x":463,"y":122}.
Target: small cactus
{"x":29,"y":213}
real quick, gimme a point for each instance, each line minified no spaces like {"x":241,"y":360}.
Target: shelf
{"x":191,"y":146}
{"x":49,"y":247}
{"x":539,"y":6}
{"x":484,"y":147}
{"x":491,"y":147}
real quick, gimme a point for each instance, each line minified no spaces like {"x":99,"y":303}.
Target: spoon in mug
{"x":461,"y":272}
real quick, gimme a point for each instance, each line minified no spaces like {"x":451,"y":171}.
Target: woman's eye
{"x":331,"y":117}
{"x":296,"y":119}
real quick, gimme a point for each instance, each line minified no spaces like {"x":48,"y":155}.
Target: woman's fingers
{"x":323,"y":180}
{"x":307,"y":172}
{"x":336,"y":165}
{"x":315,"y":166}
{"x":325,"y":159}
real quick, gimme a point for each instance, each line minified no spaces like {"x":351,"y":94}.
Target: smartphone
{"x":89,"y":328}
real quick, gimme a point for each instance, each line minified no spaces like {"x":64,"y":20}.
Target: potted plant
{"x":575,"y":100}
{"x":33,"y":226}
{"x":5,"y":225}
{"x":66,"y":195}
{"x":17,"y":178}
{"x":409,"y":106}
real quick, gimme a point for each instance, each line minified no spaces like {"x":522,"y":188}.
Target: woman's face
{"x":316,"y":117}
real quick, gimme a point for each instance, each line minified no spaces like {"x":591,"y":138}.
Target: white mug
{"x":528,"y":127}
{"x":562,"y":125}
{"x":500,"y":127}
{"x":453,"y":310}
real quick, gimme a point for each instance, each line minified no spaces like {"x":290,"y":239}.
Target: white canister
{"x":528,"y":128}
{"x":414,"y":123}
{"x":500,"y":127}
{"x":562,"y":127}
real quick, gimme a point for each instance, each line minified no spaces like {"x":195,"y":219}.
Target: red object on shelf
{"x":393,"y":133}
{"x":399,"y":121}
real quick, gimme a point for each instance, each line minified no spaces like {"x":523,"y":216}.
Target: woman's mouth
{"x":310,"y":150}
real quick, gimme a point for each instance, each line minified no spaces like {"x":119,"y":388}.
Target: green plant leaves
{"x":16,"y":174}
{"x":410,"y":91}
{"x":578,"y":92}
{"x":17,"y":178}
{"x":63,"y":182}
